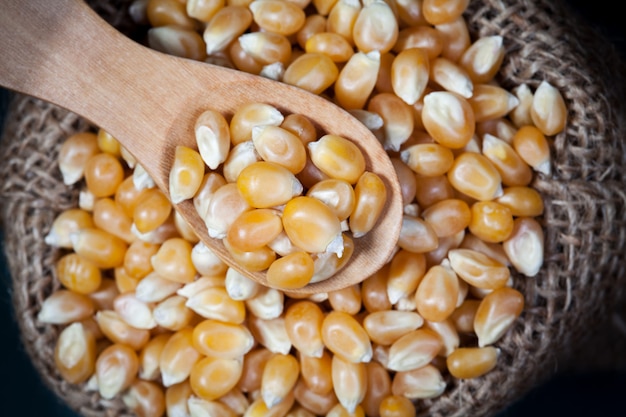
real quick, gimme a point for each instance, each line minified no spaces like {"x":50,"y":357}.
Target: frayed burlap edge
{"x":572,"y":307}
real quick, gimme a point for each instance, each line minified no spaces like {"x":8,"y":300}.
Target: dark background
{"x":583,"y":394}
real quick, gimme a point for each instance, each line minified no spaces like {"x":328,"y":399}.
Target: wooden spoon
{"x":62,"y":52}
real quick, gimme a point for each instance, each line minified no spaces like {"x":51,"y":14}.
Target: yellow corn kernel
{"x":396,"y":406}
{"x":177,"y":41}
{"x":103,"y":174}
{"x":336,"y":194}
{"x":463,"y":317}
{"x":300,"y":126}
{"x":478,"y":269}
{"x":211,"y":377}
{"x":483,"y":58}
{"x":226,"y":25}
{"x":313,"y":23}
{"x":342,"y":17}
{"x":203,"y":10}
{"x":280,"y":374}
{"x":421,"y":383}
{"x":466,"y":363}
{"x":347,"y":300}
{"x":242,"y":60}
{"x":200,"y":284}
{"x":154,"y":288}
{"x":422,"y":37}
{"x":313,"y":72}
{"x":278,"y":145}
{"x":533,"y":147}
{"x":241,"y":156}
{"x":176,"y":397}
{"x":448,"y":217}
{"x":251,"y":185}
{"x":210,"y":183}
{"x":316,"y":373}
{"x":116,"y":369}
{"x":111,"y":217}
{"x":491,"y":102}
{"x":254,"y":229}
{"x":303,"y":323}
{"x":548,"y":110}
{"x":316,"y":403}
{"x":375,"y":28}
{"x":349,"y":382}
{"x":149,"y":357}
{"x":145,"y":398}
{"x":137,"y":258}
{"x":378,"y":387}
{"x":291,"y":271}
{"x":428,"y":159}
{"x":178,"y":357}
{"x":437,"y":12}
{"x":214,"y":303}
{"x":330,"y":43}
{"x":338,"y":158}
{"x":410,"y":74}
{"x":407,"y":180}
{"x":311,"y":174}
{"x":226,"y":204}
{"x":398,"y":121}
{"x":496,"y":314}
{"x":413,"y":350}
{"x":133,"y":311}
{"x":475,"y":176}
{"x":128,"y":196}
{"x":75,"y":353}
{"x":456,"y":38}
{"x":491,"y":221}
{"x":448,"y":118}
{"x":383,"y":82}
{"x":429,"y":190}
{"x":258,"y":408}
{"x":74,"y":153}
{"x":168,"y":12}
{"x":374,"y":291}
{"x":222,"y":340}
{"x":345,"y":336}
{"x":66,"y":223}
{"x":116,"y":329}
{"x":107,"y":143}
{"x":240,"y":287}
{"x":266,"y":47}
{"x":101,"y":248}
{"x":277,"y":16}
{"x":436,"y":297}
{"x":186,"y":174}
{"x":451,"y":77}
{"x":447,"y":333}
{"x":522,"y":201}
{"x":253,"y":365}
{"x":271,"y":333}
{"x":357,"y":79}
{"x":311,"y":225}
{"x":78,"y":274}
{"x":385,"y":327}
{"x":406,"y":270}
{"x":340,"y":411}
{"x":370,"y":196}
{"x":525,"y":246}
{"x":248,"y":116}
{"x":254,"y":260}
{"x":493,"y":250}
{"x":520,"y":116}
{"x":151,"y":211}
{"x":173,"y":261}
{"x":445,"y":244}
{"x":199,"y":407}
{"x":416,"y":235}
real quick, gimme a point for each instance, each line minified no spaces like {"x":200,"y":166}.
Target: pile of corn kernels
{"x":149,"y":314}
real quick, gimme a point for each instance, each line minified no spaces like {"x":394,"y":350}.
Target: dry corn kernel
{"x":145,"y":398}
{"x":154,"y":288}
{"x":428,"y":159}
{"x":116,"y":369}
{"x":346,"y":300}
{"x":203,"y":10}
{"x":520,"y":116}
{"x":199,"y":407}
{"x":111,"y":217}
{"x":133,"y":311}
{"x":483,"y":58}
{"x":375,"y":28}
{"x":496,"y":313}
{"x":451,"y":77}
{"x":448,"y":217}
{"x":267,"y":304}
{"x":330,"y":43}
{"x":448,"y":118}
{"x":116,"y":329}
{"x":478,"y":269}
{"x":223,"y":208}
{"x":314,"y":402}
{"x":102,"y":248}
{"x":176,"y":397}
{"x":74,"y":153}
{"x":303,"y":323}
{"x":447,"y":333}
{"x":413,"y":350}
{"x":323,"y":7}
{"x":258,"y":408}
{"x":430,"y":190}
{"x":491,"y":102}
{"x":225,"y":26}
{"x":75,"y":353}
{"x":525,"y":245}
{"x":410,"y":74}
{"x":313,"y":72}
{"x":313,"y":23}
{"x":266,"y":47}
{"x":338,"y":158}
{"x":254,"y":229}
{"x":250,"y":115}
{"x":548,"y":110}
{"x":177,"y":41}
{"x":66,"y":223}
{"x":253,"y":364}
{"x":456,"y":38}
{"x":533,"y":147}
{"x":172,"y":313}
{"x":316,"y":372}
{"x":128,"y":196}
{"x":78,"y":274}
{"x":107,"y":143}
{"x":254,"y":260}
{"x":349,"y":381}
{"x":151,"y":211}
{"x":186,"y":174}
{"x":406,"y":270}
{"x":252,"y":179}
{"x":214,"y":303}
{"x":271,"y":333}
{"x":398,"y":120}
{"x":416,"y":235}
{"x":522,"y":201}
{"x":385,"y":327}
{"x":103,"y":174}
{"x":210,"y":377}
{"x":374,"y":291}
{"x":291,"y":271}
{"x":311,"y":225}
{"x":437,"y":294}
{"x":103,"y":297}
{"x":178,"y":357}
{"x":378,"y":387}
{"x":278,"y":145}
{"x":149,"y":357}
{"x":370,"y":196}
{"x":421,"y":383}
{"x":280,"y":374}
{"x":491,"y":221}
{"x":396,"y":406}
{"x":168,"y":12}
{"x":357,"y":79}
{"x":173,"y":261}
{"x":475,"y":176}
{"x":222,"y":340}
{"x":465,"y":363}
{"x":277,"y":16}
{"x":344,"y":336}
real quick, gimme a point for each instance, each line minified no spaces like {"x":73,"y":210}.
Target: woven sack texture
{"x":574,"y":307}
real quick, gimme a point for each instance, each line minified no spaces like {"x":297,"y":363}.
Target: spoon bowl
{"x":64,"y":53}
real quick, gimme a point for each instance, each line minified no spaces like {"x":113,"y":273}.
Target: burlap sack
{"x":572,"y":307}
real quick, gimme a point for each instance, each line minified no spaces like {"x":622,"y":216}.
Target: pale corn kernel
{"x":437,"y":12}
{"x":222,"y":340}
{"x":336,"y":194}
{"x":214,"y":303}
{"x":280,"y":374}
{"x":386,"y":327}
{"x":496,"y":314}
{"x":111,"y":217}
{"x":437,"y":293}
{"x":422,"y":37}
{"x":338,"y":158}
{"x":548,"y":110}
{"x":292,"y":271}
{"x":313,"y":72}
{"x":491,"y":221}
{"x":522,"y":201}
{"x":466,"y":363}
{"x":177,"y":41}
{"x":127,"y":157}
{"x":273,"y":71}
{"x":152,"y":211}
{"x":345,"y":336}
{"x":212,"y":138}
{"x":311,"y":225}
{"x":370,"y":196}
{"x":239,"y":286}
{"x":303,"y":323}
{"x":525,"y":246}
{"x":375,"y":28}
{"x":374,"y":291}
{"x":448,"y":118}
{"x":266,"y":47}
{"x":278,"y":145}
{"x":398,"y":121}
{"x":277,"y":16}
{"x":316,"y":372}
{"x":253,"y":364}
{"x":421,"y":383}
{"x":271,"y":334}
{"x":327,"y":264}
{"x":226,"y":204}
{"x":203,"y":10}
{"x":172,"y":313}
{"x":178,"y":357}
{"x":520,"y":115}
{"x":155,"y":288}
{"x":74,"y":153}
{"x":313,"y":23}
{"x":414,"y":350}
{"x":66,"y":223}
{"x":64,"y":307}
{"x":206,"y":262}
{"x":428,"y":159}
{"x":407,"y":180}
{"x":491,"y":102}
{"x":533,"y":147}
{"x":226,"y":25}
{"x":463,"y":316}
{"x":141,"y":179}
{"x":254,"y":260}
{"x":199,"y":407}
{"x":429,"y":190}
{"x":447,"y":333}
{"x":409,"y":74}
{"x":116,"y":329}
{"x":116,"y":369}
{"x":176,"y":397}
{"x":448,"y":217}
{"x":75,"y":353}
{"x":145,"y":398}
{"x":78,"y":274}
{"x":103,"y":174}
{"x":456,"y":38}
{"x":211,"y":182}
{"x":342,"y":17}
{"x":349,"y":381}
{"x":210,"y":377}
{"x":267,"y":304}
{"x":357,"y":79}
{"x":103,"y":297}
{"x":318,"y":404}
{"x":149,"y":357}
{"x":240,"y":156}
{"x":128,"y":196}
{"x":133,"y":311}
{"x":184,"y":229}
{"x":478,"y":269}
{"x":200,"y":284}
{"x":451,"y":77}
{"x":250,"y":183}
{"x":483,"y":58}
{"x":474,"y":175}
{"x":330,"y":43}
{"x":346,"y":300}
{"x":406,"y":270}
{"x":168,"y":12}
{"x":416,"y":235}
{"x":235,"y":400}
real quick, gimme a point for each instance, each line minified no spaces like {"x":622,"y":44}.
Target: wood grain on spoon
{"x":62,"y":52}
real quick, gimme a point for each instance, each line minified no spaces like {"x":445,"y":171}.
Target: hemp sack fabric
{"x":572,"y":306}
